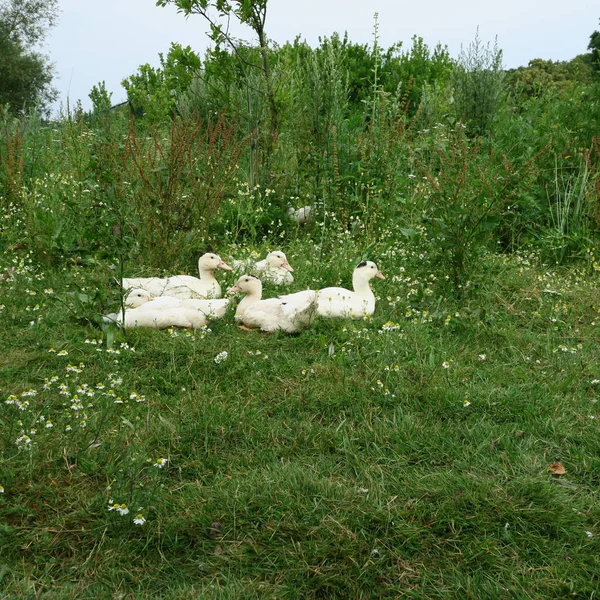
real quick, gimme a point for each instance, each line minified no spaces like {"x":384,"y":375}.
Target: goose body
{"x":213,"y":308}
{"x":275,"y":268}
{"x":184,"y":286}
{"x":353,"y":304}
{"x":288,"y":313}
{"x":159,"y":317}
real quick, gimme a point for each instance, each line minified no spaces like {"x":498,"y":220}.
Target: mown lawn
{"x":403,"y":456}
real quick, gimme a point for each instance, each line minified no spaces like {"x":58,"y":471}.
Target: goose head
{"x":212,"y":262}
{"x":137,"y":297}
{"x":248,"y":285}
{"x":367,"y":270}
{"x":278,"y":260}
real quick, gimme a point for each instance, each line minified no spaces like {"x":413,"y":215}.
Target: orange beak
{"x":379,"y":275}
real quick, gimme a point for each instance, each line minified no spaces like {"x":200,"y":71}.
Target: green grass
{"x":343,"y":462}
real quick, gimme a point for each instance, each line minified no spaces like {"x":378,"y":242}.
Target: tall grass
{"x":571,"y":207}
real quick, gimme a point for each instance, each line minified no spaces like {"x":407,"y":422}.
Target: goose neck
{"x":361,"y":285}
{"x":248,"y":300}
{"x":206,"y":274}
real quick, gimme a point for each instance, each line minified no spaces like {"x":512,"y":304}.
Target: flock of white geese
{"x":190,"y":302}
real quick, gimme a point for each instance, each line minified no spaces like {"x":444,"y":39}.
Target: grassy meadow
{"x":446,"y":447}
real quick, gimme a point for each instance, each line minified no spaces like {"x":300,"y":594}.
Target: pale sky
{"x":107,"y":40}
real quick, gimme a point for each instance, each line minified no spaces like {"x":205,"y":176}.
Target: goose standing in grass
{"x":356,"y":304}
{"x":302,"y":216}
{"x":275,"y":268}
{"x":213,"y":308}
{"x":184,"y":286}
{"x":288,"y":313}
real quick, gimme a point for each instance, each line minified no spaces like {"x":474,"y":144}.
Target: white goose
{"x":302,"y":216}
{"x":288,"y":313}
{"x":275,"y":268}
{"x":213,"y":308}
{"x":184,"y":286}
{"x":140,"y":311}
{"x":356,"y":304}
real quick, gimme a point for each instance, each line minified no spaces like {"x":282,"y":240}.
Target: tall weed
{"x":469,"y":185}
{"x":11,"y":176}
{"x":479,"y":86}
{"x":178,"y":182}
{"x":313,"y":126}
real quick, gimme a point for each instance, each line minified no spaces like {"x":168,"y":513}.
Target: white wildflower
{"x":139,"y":519}
{"x":219,"y":358}
{"x":120,"y":508}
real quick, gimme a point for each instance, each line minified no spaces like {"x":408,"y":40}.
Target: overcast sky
{"x":107,"y":40}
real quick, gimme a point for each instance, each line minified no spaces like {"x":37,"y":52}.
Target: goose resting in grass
{"x":184,"y":286}
{"x":302,"y":216}
{"x":275,"y":268}
{"x":213,"y":308}
{"x":148,"y":314}
{"x":356,"y":304}
{"x":288,"y":313}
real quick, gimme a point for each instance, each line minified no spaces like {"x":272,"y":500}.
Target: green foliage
{"x":25,"y":78}
{"x":548,"y":77}
{"x":415,"y":70}
{"x":565,"y":121}
{"x":25,"y":74}
{"x":573,"y":209}
{"x":395,"y":70}
{"x":252,"y":13}
{"x":594,"y":48}
{"x":12,"y":174}
{"x":249,"y":216}
{"x":178,"y":184}
{"x":469,"y":186}
{"x":152,"y":92}
{"x":27,"y":21}
{"x":248,"y":12}
{"x":314,"y":117}
{"x":101,"y":99}
{"x":478,"y":83}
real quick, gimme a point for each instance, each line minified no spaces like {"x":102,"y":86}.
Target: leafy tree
{"x":594,"y":48}
{"x":415,"y":69}
{"x":252,"y":13}
{"x":100,"y":97}
{"x":25,"y":75}
{"x":541,"y":77}
{"x":153,"y":91}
